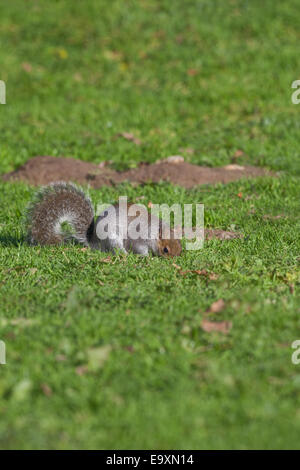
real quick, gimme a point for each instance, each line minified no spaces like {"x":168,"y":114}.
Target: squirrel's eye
{"x":166,"y":250}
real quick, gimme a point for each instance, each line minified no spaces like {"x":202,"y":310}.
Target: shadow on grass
{"x":10,"y":240}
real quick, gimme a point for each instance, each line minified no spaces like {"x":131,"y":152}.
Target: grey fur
{"x":65,"y":202}
{"x":54,"y":204}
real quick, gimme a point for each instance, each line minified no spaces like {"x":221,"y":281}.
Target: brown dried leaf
{"x":192,"y":72}
{"x":130,"y":137}
{"x":27,"y":67}
{"x":200,"y":272}
{"x":81,"y":370}
{"x":176,"y":266}
{"x":217,"y":306}
{"x":213,"y":276}
{"x":273,"y":217}
{"x":238,"y":153}
{"x":220,"y":327}
{"x":46,"y":390}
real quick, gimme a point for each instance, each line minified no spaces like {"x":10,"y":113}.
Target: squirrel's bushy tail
{"x":54,"y":205}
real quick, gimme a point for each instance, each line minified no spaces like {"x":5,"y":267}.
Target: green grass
{"x":112,"y":354}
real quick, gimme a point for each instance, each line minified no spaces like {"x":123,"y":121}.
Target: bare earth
{"x":46,"y":169}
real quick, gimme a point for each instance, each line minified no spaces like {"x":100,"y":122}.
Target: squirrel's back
{"x":54,"y":205}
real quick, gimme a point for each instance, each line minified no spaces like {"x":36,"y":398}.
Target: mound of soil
{"x":45,"y":169}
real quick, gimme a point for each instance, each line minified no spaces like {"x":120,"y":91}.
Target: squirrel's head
{"x":169,"y":248}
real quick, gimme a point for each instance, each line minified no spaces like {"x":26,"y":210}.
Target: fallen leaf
{"x":130,"y":137}
{"x":46,"y":390}
{"x":240,"y":195}
{"x":200,"y":272}
{"x":81,"y":370}
{"x":273,"y":217}
{"x":27,"y":67}
{"x":176,"y":266}
{"x":192,"y":72}
{"x":238,"y":153}
{"x":33,"y":270}
{"x":217,"y":306}
{"x":106,"y":260}
{"x":213,"y":276}
{"x":221,"y":327}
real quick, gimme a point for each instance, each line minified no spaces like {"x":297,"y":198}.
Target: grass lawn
{"x":110,"y":353}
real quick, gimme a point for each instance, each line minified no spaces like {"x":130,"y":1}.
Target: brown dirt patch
{"x":45,"y":169}
{"x":212,"y":233}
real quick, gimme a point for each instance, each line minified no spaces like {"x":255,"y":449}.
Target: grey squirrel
{"x":61,"y":202}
